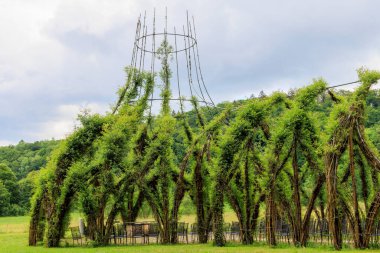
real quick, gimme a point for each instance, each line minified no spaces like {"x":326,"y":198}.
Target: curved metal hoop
{"x":192,"y":44}
{"x":177,"y":99}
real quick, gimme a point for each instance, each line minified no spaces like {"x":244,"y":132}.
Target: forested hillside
{"x":19,"y":166}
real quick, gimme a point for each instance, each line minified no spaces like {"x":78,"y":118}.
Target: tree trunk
{"x":357,"y":229}
{"x":165,"y":237}
{"x":373,"y":212}
{"x":178,"y":197}
{"x":363,"y":178}
{"x":129,"y":212}
{"x":296,"y":199}
{"x":218,"y":205}
{"x":322,"y":207}
{"x":306,"y":220}
{"x":91,"y":226}
{"x":56,"y":221}
{"x":256,"y":212}
{"x":199,"y":197}
{"x":366,"y":150}
{"x":247,"y":235}
{"x":34,"y":221}
{"x":331,"y":163}
{"x":270,"y":218}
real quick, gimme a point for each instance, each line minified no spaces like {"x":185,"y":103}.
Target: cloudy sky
{"x":58,"y":57}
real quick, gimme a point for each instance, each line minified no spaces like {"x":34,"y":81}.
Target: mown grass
{"x":14,"y":239}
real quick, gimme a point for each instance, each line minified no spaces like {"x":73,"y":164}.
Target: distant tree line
{"x":19,"y":168}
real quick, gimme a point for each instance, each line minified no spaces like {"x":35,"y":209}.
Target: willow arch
{"x":347,"y":131}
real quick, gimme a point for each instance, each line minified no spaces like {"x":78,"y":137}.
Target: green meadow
{"x":14,"y":239}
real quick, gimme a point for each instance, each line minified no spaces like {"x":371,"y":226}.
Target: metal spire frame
{"x":185,"y":61}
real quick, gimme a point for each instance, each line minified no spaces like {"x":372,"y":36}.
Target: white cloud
{"x":6,"y":143}
{"x":29,"y":60}
{"x":56,"y":55}
{"x":372,"y":60}
{"x":64,"y":120}
{"x":93,"y":18}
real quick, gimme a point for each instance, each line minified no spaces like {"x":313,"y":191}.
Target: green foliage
{"x":164,"y":54}
{"x":26,"y":157}
{"x":10,"y":192}
{"x":307,"y":96}
{"x":241,"y":153}
{"x":5,"y":197}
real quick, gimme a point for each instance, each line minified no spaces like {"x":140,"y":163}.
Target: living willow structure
{"x":276,"y":152}
{"x":272,"y":158}
{"x":347,"y":139}
{"x":112,"y":164}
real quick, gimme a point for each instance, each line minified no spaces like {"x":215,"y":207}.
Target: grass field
{"x":14,"y":239}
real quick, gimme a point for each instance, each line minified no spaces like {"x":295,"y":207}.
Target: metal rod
{"x":142,"y":55}
{"x":175,"y":99}
{"x":170,"y":34}
{"x":188,"y":40}
{"x":136,"y":43}
{"x":187,"y":64}
{"x":153,"y":58}
{"x":176,"y":61}
{"x":132,"y":63}
{"x":199,"y":64}
{"x":195,"y":63}
{"x":142,"y":43}
{"x":343,"y":84}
